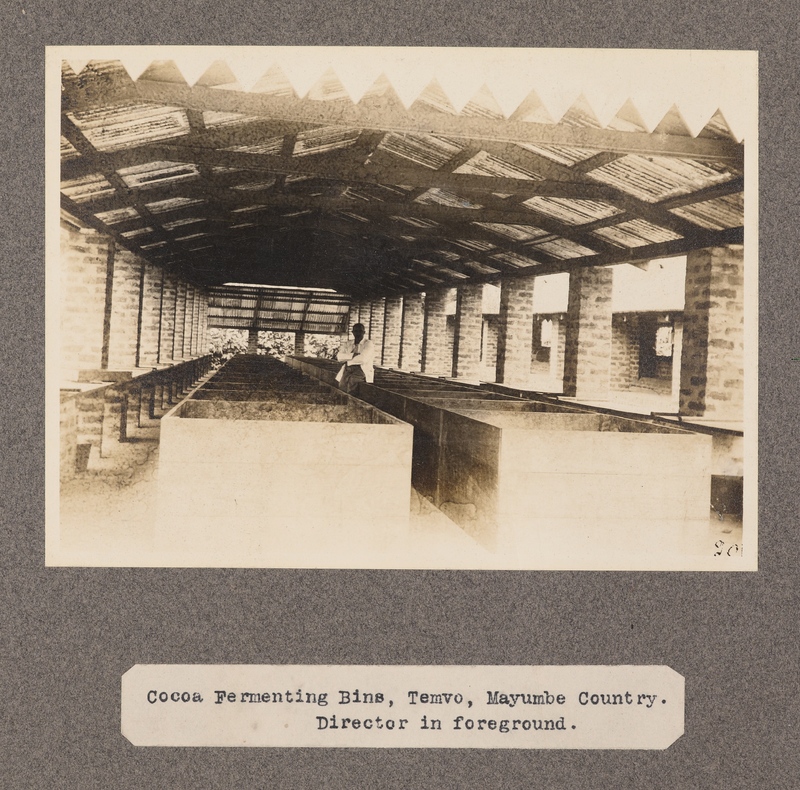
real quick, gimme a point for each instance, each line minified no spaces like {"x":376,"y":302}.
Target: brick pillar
{"x":587,"y":352}
{"x":557,"y":350}
{"x":411,"y":339}
{"x":252,"y":341}
{"x":624,"y":351}
{"x":150,"y":316}
{"x":435,"y":345}
{"x":712,"y":363}
{"x":299,"y":344}
{"x":469,"y":327}
{"x":392,"y":331}
{"x":179,"y":321}
{"x":677,"y":353}
{"x":204,"y":324}
{"x":515,"y":331}
{"x":187,"y":322}
{"x":84,"y":266}
{"x":196,"y":323}
{"x":377,"y":330}
{"x":168,"y":294}
{"x":127,"y":280}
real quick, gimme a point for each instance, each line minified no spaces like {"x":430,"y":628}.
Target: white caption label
{"x":467,"y":707}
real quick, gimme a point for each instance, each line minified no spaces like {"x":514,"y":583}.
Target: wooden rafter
{"x":393,"y":119}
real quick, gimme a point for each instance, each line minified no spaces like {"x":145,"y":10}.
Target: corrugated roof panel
{"x":441,"y":197}
{"x":117,"y":215}
{"x":87,"y":188}
{"x":484,"y":164}
{"x":254,"y":186}
{"x":272,"y":145}
{"x":564,"y":249}
{"x":171,"y":204}
{"x":328,"y":88}
{"x":157,"y":173}
{"x":453,"y":273}
{"x":718,"y":214}
{"x":154,"y":245}
{"x":216,"y":119}
{"x":581,"y":114}
{"x":481,"y":268}
{"x":133,"y":124}
{"x":483,"y":105}
{"x":181,"y":222}
{"x":274,"y":82}
{"x":636,"y":233}
{"x":416,"y":222}
{"x":559,"y":153}
{"x":329,"y":138}
{"x":572,"y":211}
{"x":353,"y":215}
{"x":515,"y":232}
{"x":68,"y":150}
{"x":474,"y":245}
{"x":514,"y":259}
{"x":130,"y":234}
{"x":433,"y":98}
{"x":657,"y":178}
{"x":248,"y":209}
{"x":423,"y":149}
{"x":717,"y":128}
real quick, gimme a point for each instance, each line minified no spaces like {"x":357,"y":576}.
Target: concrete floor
{"x":107,"y":519}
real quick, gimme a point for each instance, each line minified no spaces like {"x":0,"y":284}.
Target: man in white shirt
{"x":357,"y":355}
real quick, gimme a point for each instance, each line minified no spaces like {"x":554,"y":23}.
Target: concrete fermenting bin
{"x":547,"y":484}
{"x":262,"y":464}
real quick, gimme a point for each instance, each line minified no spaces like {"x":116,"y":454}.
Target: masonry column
{"x":179,"y":321}
{"x":127,"y":280}
{"x":187,"y":322}
{"x":392,"y":331}
{"x":557,"y":351}
{"x":469,"y":325}
{"x":149,"y":316}
{"x":376,"y":334}
{"x":411,"y":342}
{"x":587,"y":350}
{"x":204,"y":323}
{"x":299,"y":344}
{"x":435,"y":344}
{"x":168,"y":295}
{"x":515,"y":331}
{"x":196,"y":323}
{"x":712,"y":364}
{"x":85,"y":259}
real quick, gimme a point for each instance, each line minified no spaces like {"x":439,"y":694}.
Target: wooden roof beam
{"x":394,"y":119}
{"x":338,"y":166}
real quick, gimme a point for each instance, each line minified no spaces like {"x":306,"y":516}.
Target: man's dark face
{"x":358,"y":333}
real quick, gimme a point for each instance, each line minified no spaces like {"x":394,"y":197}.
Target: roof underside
{"x":277,"y":309}
{"x":222,"y":185}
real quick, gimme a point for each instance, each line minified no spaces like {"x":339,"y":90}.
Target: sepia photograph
{"x":414,"y":308}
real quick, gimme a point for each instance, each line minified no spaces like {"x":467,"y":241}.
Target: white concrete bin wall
{"x":256,"y":491}
{"x":564,"y":489}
